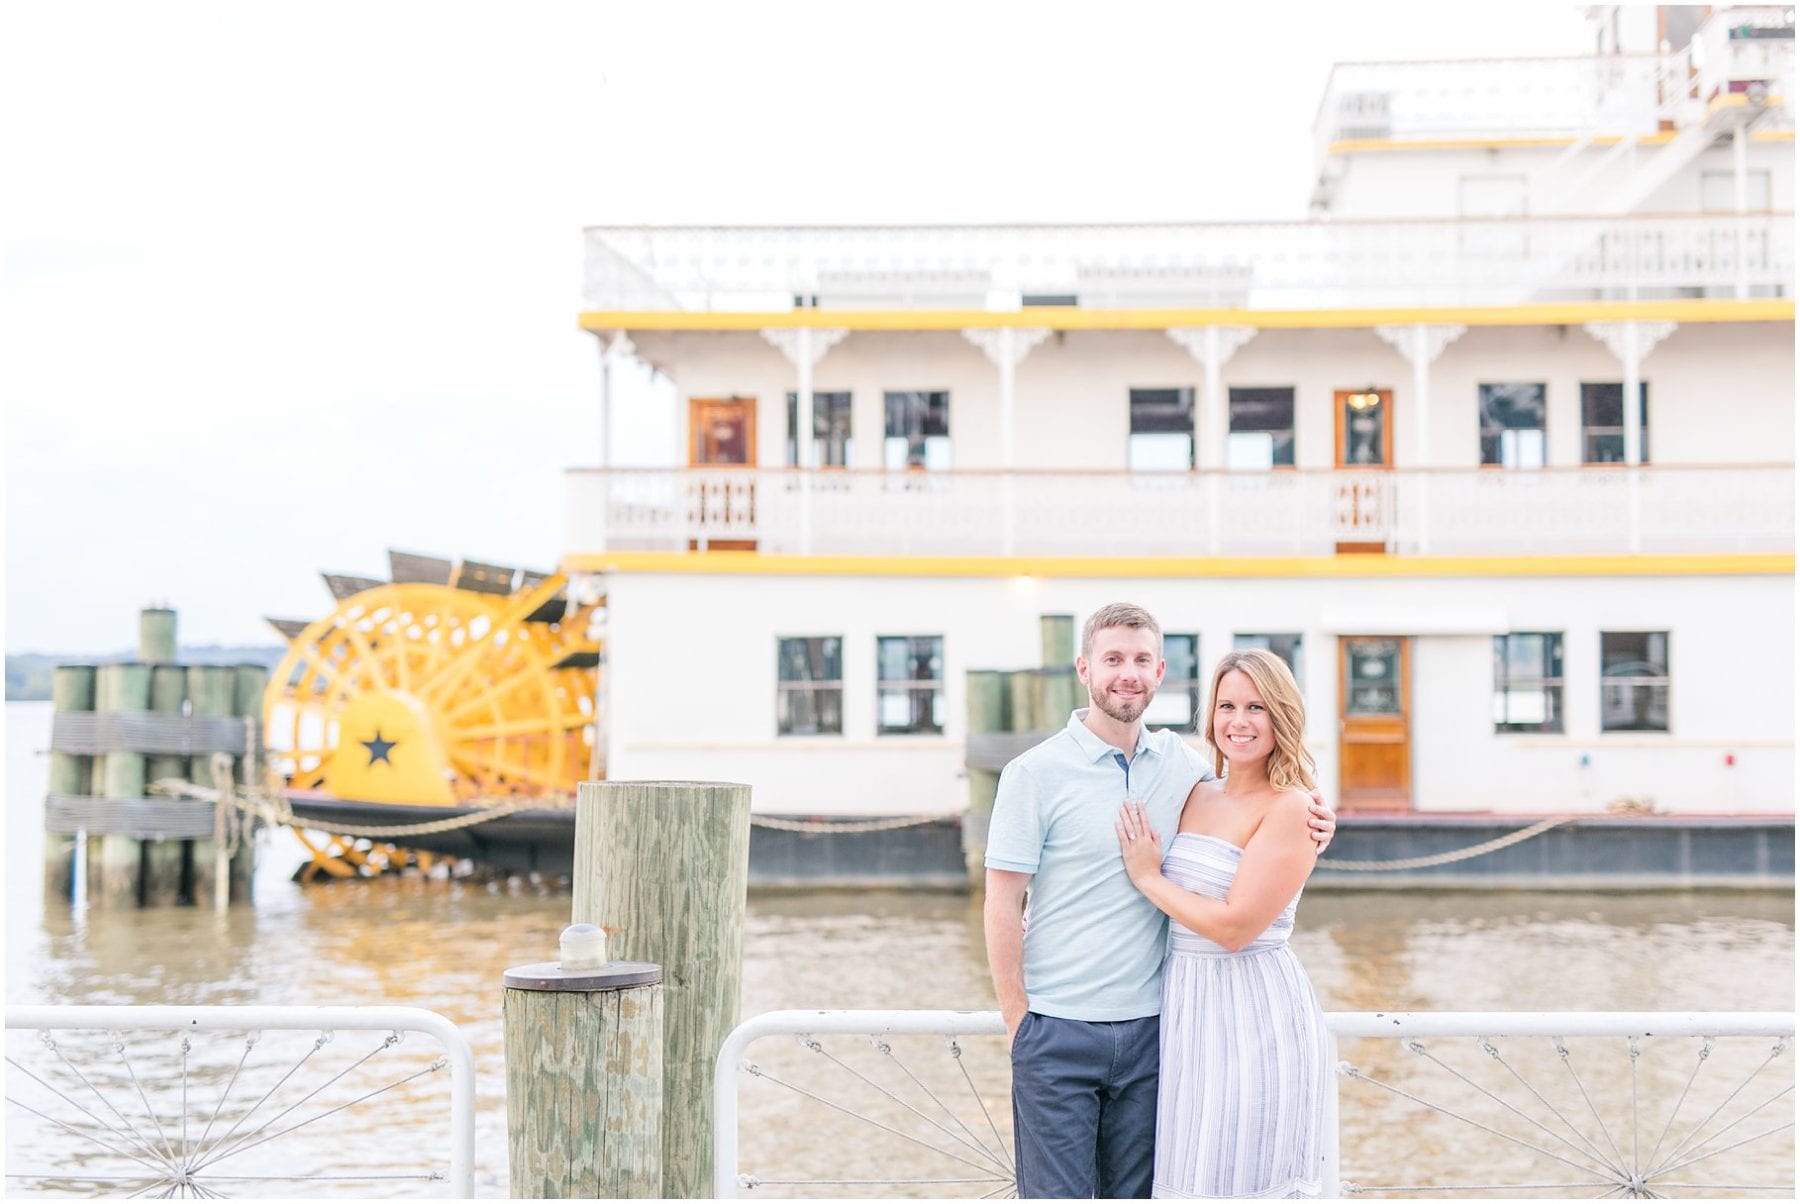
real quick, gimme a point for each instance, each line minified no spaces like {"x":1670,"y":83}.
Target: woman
{"x":1241,"y":1103}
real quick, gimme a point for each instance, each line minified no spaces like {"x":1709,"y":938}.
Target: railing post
{"x":665,"y":866}
{"x":1740,"y":176}
{"x":1422,"y":504}
{"x":584,"y":1076}
{"x":1214,"y":487}
{"x":1634,"y":537}
{"x":806,"y":511}
{"x":1008,"y":539}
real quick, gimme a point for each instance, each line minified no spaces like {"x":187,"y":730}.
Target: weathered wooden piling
{"x":248,"y":683}
{"x":167,"y":864}
{"x":71,"y":775}
{"x":1059,"y":692}
{"x":1056,"y":635}
{"x":212,"y":694}
{"x":115,"y":870}
{"x":584,"y":1078}
{"x":1024,"y":708}
{"x":664,"y":866}
{"x":989,"y":696}
{"x":156,"y":635}
{"x":71,"y":689}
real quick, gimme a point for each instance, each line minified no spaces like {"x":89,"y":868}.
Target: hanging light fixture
{"x":1368,"y":399}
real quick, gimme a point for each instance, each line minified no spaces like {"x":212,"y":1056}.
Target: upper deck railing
{"x":1574,"y":97}
{"x":1281,"y":512}
{"x":1253,"y":265}
{"x":1500,"y":98}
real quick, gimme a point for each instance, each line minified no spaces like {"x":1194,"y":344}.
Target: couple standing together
{"x":1185,"y":1059}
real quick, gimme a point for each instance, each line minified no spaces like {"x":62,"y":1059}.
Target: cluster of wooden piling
{"x":116,"y":729}
{"x":1009,"y":711}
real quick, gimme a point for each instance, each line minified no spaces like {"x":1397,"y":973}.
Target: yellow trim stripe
{"x":1358,"y":146}
{"x":768,"y":564}
{"x":1061,"y":317}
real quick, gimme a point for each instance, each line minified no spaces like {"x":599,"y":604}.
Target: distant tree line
{"x":28,"y":673}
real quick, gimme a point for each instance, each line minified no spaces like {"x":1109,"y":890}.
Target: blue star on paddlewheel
{"x":378,"y":748}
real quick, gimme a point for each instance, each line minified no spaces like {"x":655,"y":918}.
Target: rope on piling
{"x":1476,"y":850}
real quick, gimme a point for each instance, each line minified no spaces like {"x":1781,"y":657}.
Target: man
{"x":1082,"y":996}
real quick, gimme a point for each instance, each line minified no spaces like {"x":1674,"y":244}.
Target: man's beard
{"x":1123,"y":713}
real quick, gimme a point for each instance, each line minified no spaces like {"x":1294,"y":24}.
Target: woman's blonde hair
{"x":1290,"y":765}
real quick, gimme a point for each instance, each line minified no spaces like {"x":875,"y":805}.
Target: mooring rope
{"x":1475,"y":850}
{"x":845,"y":827}
{"x":273,"y":807}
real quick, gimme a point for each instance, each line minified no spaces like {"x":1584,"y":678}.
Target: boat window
{"x":1512,"y":424}
{"x":1261,"y":428}
{"x":1634,"y":681}
{"x":1528,"y":685}
{"x":809,"y":691}
{"x":909,"y":690}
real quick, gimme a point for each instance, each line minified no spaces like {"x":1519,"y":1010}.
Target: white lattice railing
{"x":227,"y":1100}
{"x":1444,"y":1104}
{"x":1736,"y":508}
{"x":1258,"y":265}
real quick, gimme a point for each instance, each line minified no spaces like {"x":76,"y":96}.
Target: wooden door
{"x":721,"y":431}
{"x":1363,"y":438}
{"x":1375,"y":723}
{"x":722,"y":512}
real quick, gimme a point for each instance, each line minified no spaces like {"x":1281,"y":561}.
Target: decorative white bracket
{"x":1193,"y":340}
{"x":1000,"y":342}
{"x":1615,"y":337}
{"x":1425,"y":339}
{"x":789,"y":341}
{"x":619,"y":347}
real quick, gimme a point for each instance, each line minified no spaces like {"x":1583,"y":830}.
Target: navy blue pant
{"x":1084,"y":1107}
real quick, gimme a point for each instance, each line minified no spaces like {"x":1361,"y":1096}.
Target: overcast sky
{"x":287,"y":286}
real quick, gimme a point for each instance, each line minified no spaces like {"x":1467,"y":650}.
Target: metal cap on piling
{"x":582,"y":967}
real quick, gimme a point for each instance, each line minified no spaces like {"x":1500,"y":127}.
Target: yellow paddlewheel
{"x":430,"y":694}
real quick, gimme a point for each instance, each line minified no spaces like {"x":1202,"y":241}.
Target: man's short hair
{"x":1119,"y":614}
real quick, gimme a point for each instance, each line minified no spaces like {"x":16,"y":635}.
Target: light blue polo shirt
{"x":1093,"y":944}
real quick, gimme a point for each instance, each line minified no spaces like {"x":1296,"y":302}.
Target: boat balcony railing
{"x":1247,"y":265}
{"x":1599,"y":509}
{"x":1564,"y":97}
{"x":1736,"y":49}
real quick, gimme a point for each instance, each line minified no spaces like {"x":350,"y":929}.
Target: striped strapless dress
{"x":1241,"y":1102}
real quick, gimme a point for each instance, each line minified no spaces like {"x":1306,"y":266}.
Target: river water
{"x":443,"y":944}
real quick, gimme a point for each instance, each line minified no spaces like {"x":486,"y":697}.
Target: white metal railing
{"x":1597,"y":509}
{"x":1502,"y":97}
{"x":177,"y":1115}
{"x":1644,"y":1086}
{"x":1258,"y":265}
